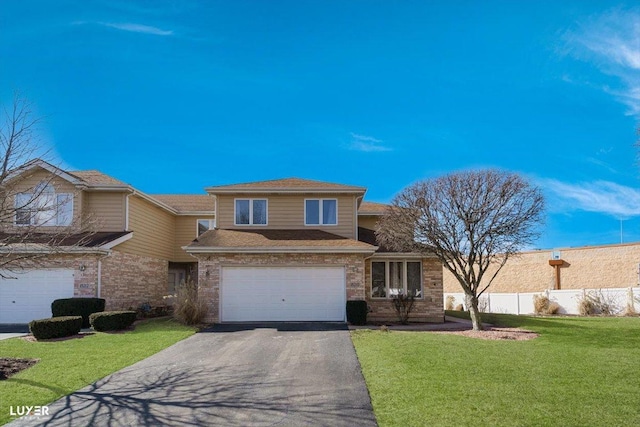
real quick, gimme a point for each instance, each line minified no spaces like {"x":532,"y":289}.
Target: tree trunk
{"x":472,"y":306}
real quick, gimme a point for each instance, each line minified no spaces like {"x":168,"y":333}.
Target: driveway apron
{"x":297,"y":374}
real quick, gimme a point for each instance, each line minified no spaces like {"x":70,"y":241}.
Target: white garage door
{"x":30,"y":294}
{"x":282,"y":294}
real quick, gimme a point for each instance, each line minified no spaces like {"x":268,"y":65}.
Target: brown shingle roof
{"x":276,"y":239}
{"x":286,"y":184}
{"x":372,"y":208}
{"x":187,"y":202}
{"x":87,"y":240}
{"x":94,"y":177}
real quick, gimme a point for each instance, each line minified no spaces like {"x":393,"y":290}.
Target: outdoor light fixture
{"x":82,"y":267}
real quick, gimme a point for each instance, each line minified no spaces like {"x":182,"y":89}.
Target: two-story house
{"x":292,"y":250}
{"x":280,"y":250}
{"x":112,"y":241}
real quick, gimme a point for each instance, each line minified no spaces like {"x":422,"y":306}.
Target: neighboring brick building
{"x":589,"y":267}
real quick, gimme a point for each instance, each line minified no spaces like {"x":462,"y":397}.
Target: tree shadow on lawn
{"x":182,"y":396}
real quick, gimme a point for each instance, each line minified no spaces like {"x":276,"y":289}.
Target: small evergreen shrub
{"x":112,"y":320}
{"x":77,"y":307}
{"x":357,"y":312}
{"x":55,"y":327}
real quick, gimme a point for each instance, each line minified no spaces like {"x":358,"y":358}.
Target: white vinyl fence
{"x":568,"y":300}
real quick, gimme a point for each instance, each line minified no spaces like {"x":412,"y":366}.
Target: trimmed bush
{"x":77,"y":307}
{"x":112,"y":320}
{"x":55,"y":327}
{"x":357,"y":312}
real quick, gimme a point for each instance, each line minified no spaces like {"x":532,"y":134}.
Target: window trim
{"x":33,"y":199}
{"x":212,"y":224}
{"x":405,"y":272}
{"x":251,"y":224}
{"x":320,"y":211}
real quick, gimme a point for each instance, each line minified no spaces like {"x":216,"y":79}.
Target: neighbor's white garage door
{"x":282,"y":294}
{"x":30,"y":294}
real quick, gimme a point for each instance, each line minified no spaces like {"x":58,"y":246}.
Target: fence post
{"x":518,"y":303}
{"x":488,"y":303}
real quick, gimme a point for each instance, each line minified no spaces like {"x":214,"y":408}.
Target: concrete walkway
{"x":301,"y":374}
{"x":450,"y":324}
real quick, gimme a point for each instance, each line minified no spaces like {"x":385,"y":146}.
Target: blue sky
{"x":175,"y":96}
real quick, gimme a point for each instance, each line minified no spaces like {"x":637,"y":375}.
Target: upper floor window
{"x":44,"y":207}
{"x":205,"y":225}
{"x":320,"y":212}
{"x":251,"y":212}
{"x":391,"y":278}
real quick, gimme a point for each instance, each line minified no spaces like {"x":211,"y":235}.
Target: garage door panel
{"x":29,"y":295}
{"x":282,"y":294}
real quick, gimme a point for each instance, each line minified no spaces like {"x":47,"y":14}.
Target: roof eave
{"x":216,"y":190}
{"x":283,"y":249}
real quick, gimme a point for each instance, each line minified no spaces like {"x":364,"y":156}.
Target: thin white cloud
{"x":367,"y":143}
{"x":612,"y":42}
{"x":603,"y":197}
{"x":137,"y":28}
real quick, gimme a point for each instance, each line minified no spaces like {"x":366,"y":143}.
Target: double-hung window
{"x":43,"y":207}
{"x":251,"y":212}
{"x":320,"y":212}
{"x":391,"y":278}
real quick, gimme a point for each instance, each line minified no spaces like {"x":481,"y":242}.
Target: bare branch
{"x":471,"y":221}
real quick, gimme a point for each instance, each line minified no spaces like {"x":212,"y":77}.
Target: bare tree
{"x":35,"y":221}
{"x":470,"y":220}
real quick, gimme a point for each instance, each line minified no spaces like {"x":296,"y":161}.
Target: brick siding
{"x":428,"y":309}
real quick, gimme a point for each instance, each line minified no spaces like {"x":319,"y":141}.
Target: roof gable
{"x":286,"y":185}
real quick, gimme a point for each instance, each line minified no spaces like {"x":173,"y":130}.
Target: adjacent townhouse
{"x":279,"y":250}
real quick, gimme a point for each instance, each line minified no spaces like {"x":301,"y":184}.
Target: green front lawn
{"x":579,"y":372}
{"x":66,"y":366}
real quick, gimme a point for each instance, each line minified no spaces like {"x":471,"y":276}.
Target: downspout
{"x":126,"y":212}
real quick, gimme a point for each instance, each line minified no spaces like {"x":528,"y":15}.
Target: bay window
{"x":390,"y":278}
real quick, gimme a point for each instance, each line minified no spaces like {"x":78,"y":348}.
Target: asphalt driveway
{"x":302,"y":374}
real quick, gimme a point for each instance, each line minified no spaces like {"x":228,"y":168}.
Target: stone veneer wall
{"x":428,"y":309}
{"x":130,"y":280}
{"x":595,"y":267}
{"x":209,"y":267}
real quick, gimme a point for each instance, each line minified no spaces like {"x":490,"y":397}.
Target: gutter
{"x":283,"y":249}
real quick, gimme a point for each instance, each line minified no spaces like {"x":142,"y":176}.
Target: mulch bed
{"x":10,"y":366}
{"x":494,"y":333}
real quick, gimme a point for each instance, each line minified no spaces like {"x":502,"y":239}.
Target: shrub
{"x":112,"y":320}
{"x":357,"y":312}
{"x":459,"y":307}
{"x":542,"y":305}
{"x":77,"y":307}
{"x":189,"y":309}
{"x":449,"y":304}
{"x":596,"y":302}
{"x":55,"y":327}
{"x":403,"y":305}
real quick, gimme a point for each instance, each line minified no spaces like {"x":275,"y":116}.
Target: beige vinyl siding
{"x":30,"y":180}
{"x":186,"y":231}
{"x":287,"y":212}
{"x":153,"y":230}
{"x":368,"y":221}
{"x":106,"y":209}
